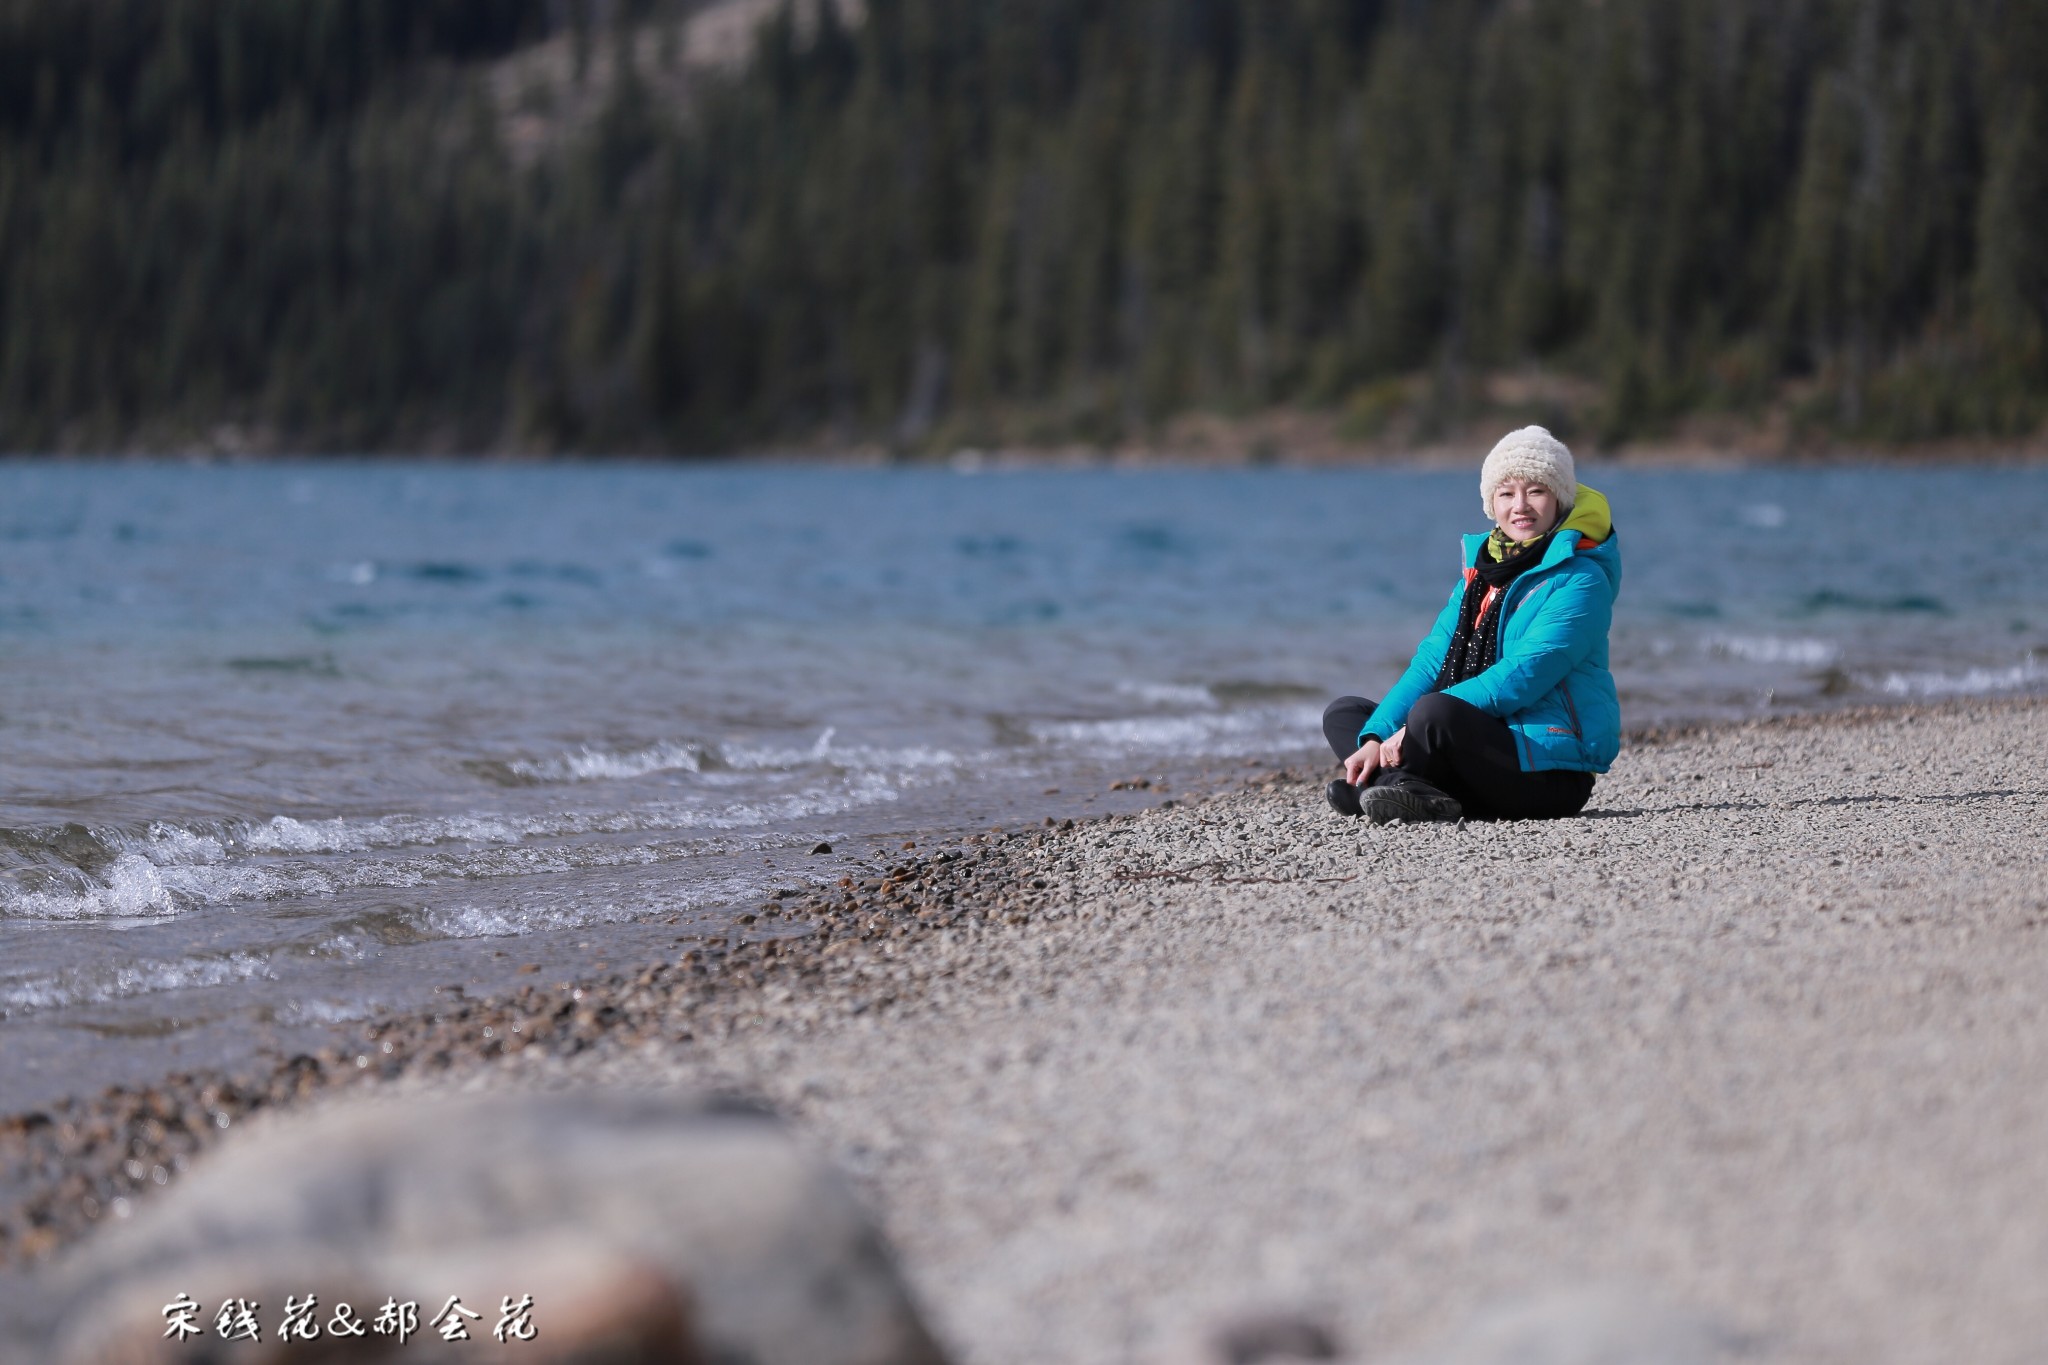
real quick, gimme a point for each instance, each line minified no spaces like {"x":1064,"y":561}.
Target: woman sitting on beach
{"x":1507,"y":709}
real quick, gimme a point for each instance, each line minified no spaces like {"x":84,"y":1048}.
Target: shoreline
{"x":1033,"y":941}
{"x":1393,"y":426}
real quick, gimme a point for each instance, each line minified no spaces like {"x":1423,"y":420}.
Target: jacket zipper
{"x":1500,"y":625}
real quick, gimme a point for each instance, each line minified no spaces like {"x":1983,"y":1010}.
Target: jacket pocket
{"x":1578,"y":731}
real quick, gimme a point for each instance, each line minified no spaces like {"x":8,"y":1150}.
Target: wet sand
{"x":1760,"y":1034}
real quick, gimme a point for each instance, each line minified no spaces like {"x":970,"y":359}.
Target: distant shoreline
{"x":1292,"y":437}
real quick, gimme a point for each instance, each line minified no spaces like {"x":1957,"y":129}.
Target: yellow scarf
{"x":1590,"y":516}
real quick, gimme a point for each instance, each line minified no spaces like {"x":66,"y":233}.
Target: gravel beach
{"x":1759,"y":1035}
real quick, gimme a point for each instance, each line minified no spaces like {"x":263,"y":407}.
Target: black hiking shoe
{"x":1413,"y":802}
{"x":1343,"y":798}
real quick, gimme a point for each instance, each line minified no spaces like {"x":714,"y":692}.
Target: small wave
{"x":1828,"y":599}
{"x":108,"y":875}
{"x":176,"y":870}
{"x":283,"y":834}
{"x":327,"y":1011}
{"x":867,"y":789}
{"x":95,"y":849}
{"x":309,"y":665}
{"x":97,"y":986}
{"x":1168,"y":694}
{"x":1773,"y":649}
{"x":445,"y":571}
{"x":857,"y":758}
{"x":142,"y":890}
{"x":1247,"y":691}
{"x":169,"y":844}
{"x":590,"y":765}
{"x":486,"y":921}
{"x":136,"y":889}
{"x":477,"y":921}
{"x":1261,"y":730}
{"x":579,"y":574}
{"x":1970,"y":682}
{"x":132,"y":887}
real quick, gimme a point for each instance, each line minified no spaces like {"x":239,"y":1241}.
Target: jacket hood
{"x":1591,"y":517}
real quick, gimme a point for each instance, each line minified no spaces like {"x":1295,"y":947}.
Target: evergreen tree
{"x":968,"y":219}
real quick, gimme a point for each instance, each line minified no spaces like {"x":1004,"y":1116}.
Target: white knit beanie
{"x":1533,"y":454}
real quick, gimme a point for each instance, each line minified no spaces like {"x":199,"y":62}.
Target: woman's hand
{"x":1390,"y":752}
{"x":1359,"y":768}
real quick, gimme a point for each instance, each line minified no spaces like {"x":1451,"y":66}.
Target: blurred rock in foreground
{"x":644,"y":1229}
{"x":1595,"y":1325}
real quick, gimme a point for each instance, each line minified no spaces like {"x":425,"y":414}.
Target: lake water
{"x":288,"y":744}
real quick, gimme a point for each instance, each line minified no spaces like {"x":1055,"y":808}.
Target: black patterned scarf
{"x":1474,"y":644}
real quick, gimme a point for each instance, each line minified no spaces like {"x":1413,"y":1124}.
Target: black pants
{"x":1460,"y":750}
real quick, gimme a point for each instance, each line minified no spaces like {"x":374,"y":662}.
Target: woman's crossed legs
{"x":1465,"y":753}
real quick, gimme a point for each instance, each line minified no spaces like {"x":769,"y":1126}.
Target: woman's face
{"x":1524,"y":510}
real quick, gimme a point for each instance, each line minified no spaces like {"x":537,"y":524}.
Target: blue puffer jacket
{"x":1551,"y":683}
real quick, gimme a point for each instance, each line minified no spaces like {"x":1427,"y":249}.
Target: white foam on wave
{"x":141,"y":882}
{"x":151,"y":876}
{"x":866,"y":758}
{"x":591,"y":765}
{"x":1971,"y":682}
{"x":1168,"y":694}
{"x":132,"y":887}
{"x":327,"y":1011}
{"x":578,"y":912}
{"x":99,"y":985}
{"x":136,"y":889}
{"x":136,"y":886}
{"x":1773,"y":649}
{"x":848,"y":757}
{"x":867,"y":789}
{"x":170,"y":869}
{"x":174,"y":845}
{"x":1256,"y":730}
{"x":283,"y":834}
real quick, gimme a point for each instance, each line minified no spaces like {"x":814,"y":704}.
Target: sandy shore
{"x":1761,"y":1035}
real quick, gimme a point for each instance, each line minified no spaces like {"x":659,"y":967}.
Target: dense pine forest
{"x":930,"y":222}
